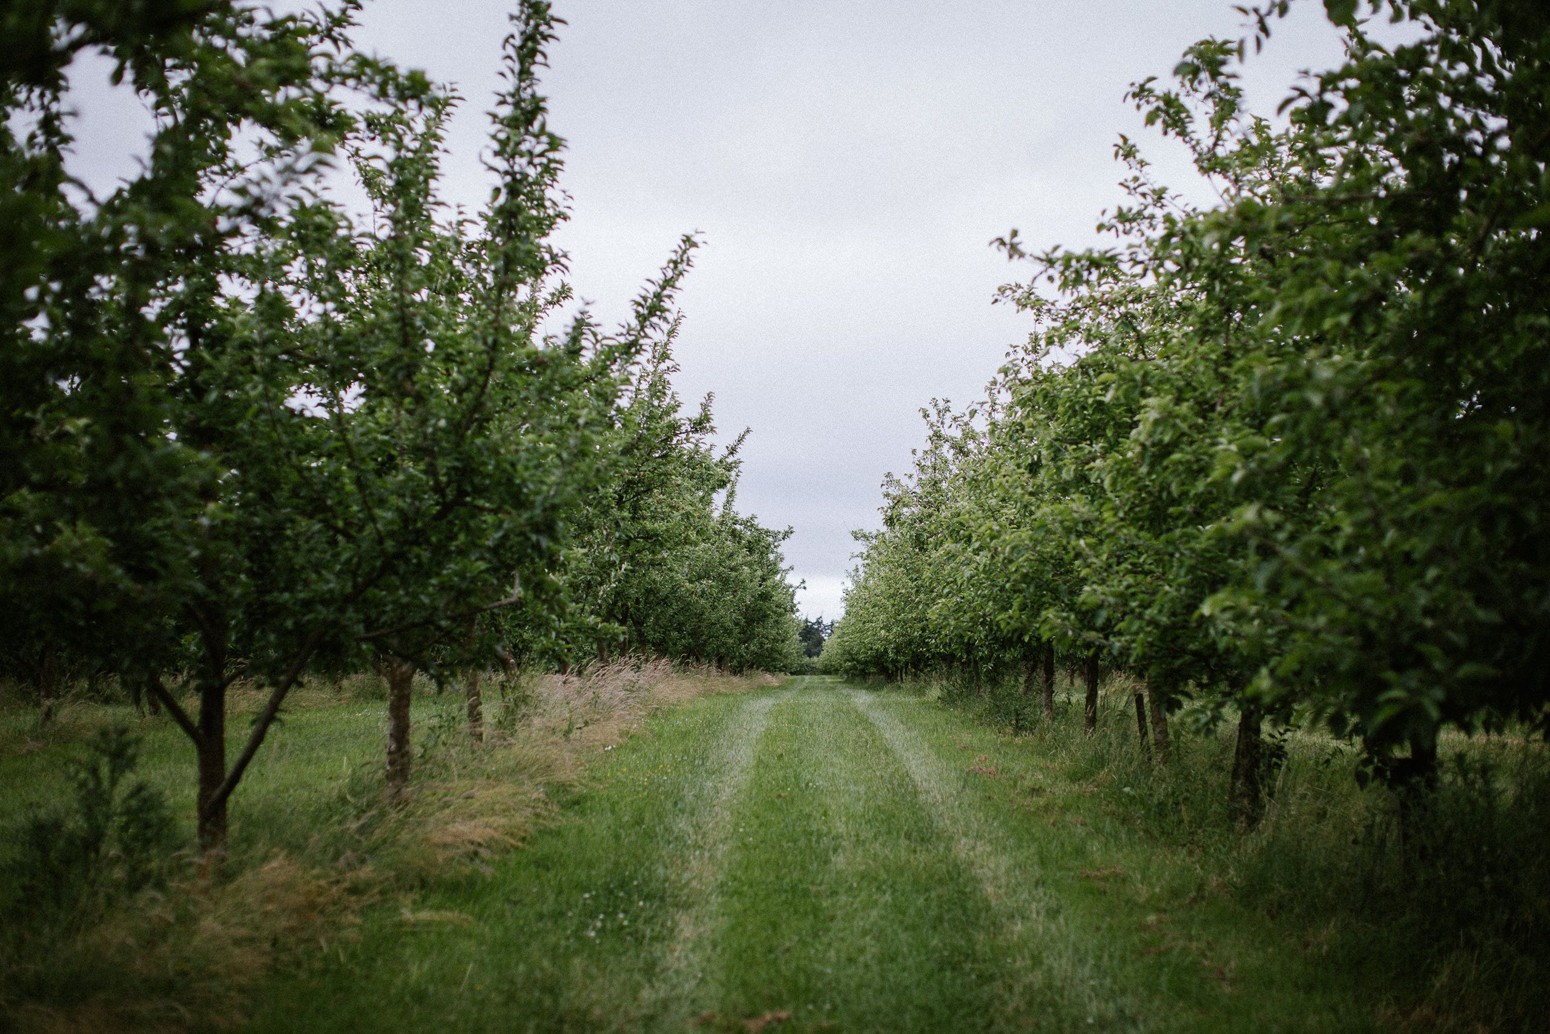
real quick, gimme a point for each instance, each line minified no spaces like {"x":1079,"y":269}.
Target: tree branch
{"x":175,"y":709}
{"x":265,"y":720}
{"x":509,"y":601}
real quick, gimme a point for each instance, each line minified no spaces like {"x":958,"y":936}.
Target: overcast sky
{"x":846,"y":165}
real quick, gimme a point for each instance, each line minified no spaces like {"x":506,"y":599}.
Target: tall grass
{"x":1448,"y":927}
{"x":314,"y":839}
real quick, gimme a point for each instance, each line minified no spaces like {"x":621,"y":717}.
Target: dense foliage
{"x":249,"y":432}
{"x":1286,"y":453}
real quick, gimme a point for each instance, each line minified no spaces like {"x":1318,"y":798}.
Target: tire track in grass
{"x":592,"y":926}
{"x":1051,"y":965}
{"x":842,"y":905}
{"x":705,"y":826}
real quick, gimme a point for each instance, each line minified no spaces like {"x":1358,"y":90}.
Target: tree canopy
{"x":250,"y":433}
{"x":1286,"y":451}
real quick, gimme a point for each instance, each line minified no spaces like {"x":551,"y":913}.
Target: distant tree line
{"x":813,"y":634}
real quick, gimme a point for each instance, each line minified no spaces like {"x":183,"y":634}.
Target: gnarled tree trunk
{"x":475,"y":695}
{"x":1157,"y":697}
{"x":210,"y":748}
{"x":1146,"y":745}
{"x":1414,"y":782}
{"x":400,"y":676}
{"x":48,"y":685}
{"x":1049,"y":679}
{"x":1090,"y":708}
{"x":473,"y":692}
{"x":1248,"y":791}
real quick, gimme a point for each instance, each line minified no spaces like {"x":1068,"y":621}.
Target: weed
{"x":115,"y":842}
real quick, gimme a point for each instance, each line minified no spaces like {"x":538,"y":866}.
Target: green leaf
{"x":1341,"y":12}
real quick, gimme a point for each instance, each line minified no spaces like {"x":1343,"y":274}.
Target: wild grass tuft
{"x":1455,"y":909}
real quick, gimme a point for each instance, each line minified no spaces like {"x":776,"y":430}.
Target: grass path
{"x":819,"y":858}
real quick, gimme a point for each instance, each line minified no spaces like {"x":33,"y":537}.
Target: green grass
{"x":840,"y":902}
{"x":1444,"y":929}
{"x":323,"y":744}
{"x":833,"y":859}
{"x":1116,"y":930}
{"x":822,"y":857}
{"x":569,"y":933}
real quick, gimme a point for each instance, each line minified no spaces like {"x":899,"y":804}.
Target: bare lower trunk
{"x":1414,"y":781}
{"x":400,"y":676}
{"x":1157,"y":706}
{"x":1248,"y":792}
{"x":1146,"y":746}
{"x":48,"y":687}
{"x":1030,"y":679}
{"x":210,"y":747}
{"x":475,"y":707}
{"x":1090,"y":708}
{"x":1049,"y":680}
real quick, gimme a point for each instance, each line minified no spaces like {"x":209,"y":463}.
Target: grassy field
{"x":313,"y":846}
{"x":827,"y":858}
{"x":808,"y":857}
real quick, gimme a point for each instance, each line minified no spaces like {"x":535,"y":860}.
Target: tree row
{"x":256,"y":428}
{"x":1283,"y":455}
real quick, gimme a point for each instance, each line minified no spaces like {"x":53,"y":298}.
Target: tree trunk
{"x":48,"y":686}
{"x":1146,"y":746}
{"x":210,"y":747}
{"x":472,"y":691}
{"x":151,"y":700}
{"x":1030,"y":679}
{"x":1414,"y":782}
{"x":1090,"y":710}
{"x":1248,"y":792}
{"x":400,"y":676}
{"x":1049,"y":679}
{"x":1157,"y":705}
{"x":475,"y":706}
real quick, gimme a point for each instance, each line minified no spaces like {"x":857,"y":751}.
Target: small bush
{"x":115,"y":842}
{"x":75,"y":868}
{"x":1007,"y":704}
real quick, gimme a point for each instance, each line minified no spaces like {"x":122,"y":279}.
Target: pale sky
{"x":846,"y":165}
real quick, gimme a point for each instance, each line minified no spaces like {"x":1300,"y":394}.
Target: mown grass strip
{"x":574,"y":932}
{"x":842,"y":906}
{"x":1057,"y":978}
{"x":1127,"y":931}
{"x":823,"y":858}
{"x":705,"y":827}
